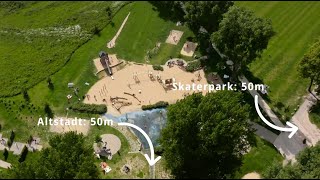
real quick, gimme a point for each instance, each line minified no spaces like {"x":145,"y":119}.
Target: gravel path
{"x":112,"y":43}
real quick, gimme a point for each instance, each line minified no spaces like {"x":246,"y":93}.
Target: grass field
{"x":259,"y":158}
{"x":297,"y":26}
{"x":143,"y":30}
{"x":38,"y":39}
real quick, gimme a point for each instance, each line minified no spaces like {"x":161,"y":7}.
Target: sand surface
{"x":152,"y":91}
{"x":174,"y":37}
{"x":188,"y":48}
{"x":252,"y":175}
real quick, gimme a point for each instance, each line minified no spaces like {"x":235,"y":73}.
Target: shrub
{"x":12,"y":135}
{"x":193,"y":66}
{"x":158,"y":150}
{"x":5,"y":154}
{"x":48,"y":110}
{"x":98,"y":139}
{"x":157,"y":68}
{"x":160,"y":104}
{"x":9,"y":143}
{"x":23,"y":154}
{"x":89,"y":108}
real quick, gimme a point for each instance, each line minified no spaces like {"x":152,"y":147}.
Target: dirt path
{"x":112,"y":43}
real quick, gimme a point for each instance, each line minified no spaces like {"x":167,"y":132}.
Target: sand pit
{"x":188,"y":48}
{"x":112,"y":59}
{"x":111,"y":141}
{"x":174,"y":37}
{"x":152,"y":90}
{"x":84,"y":128}
{"x":252,"y":175}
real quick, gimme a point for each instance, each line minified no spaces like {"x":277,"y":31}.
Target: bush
{"x":12,"y":136}
{"x":160,"y":104}
{"x":98,"y":139}
{"x":23,"y":154}
{"x":158,"y":150}
{"x":193,"y":66}
{"x":9,"y":143}
{"x":89,"y":108}
{"x":157,"y":67}
{"x":5,"y":154}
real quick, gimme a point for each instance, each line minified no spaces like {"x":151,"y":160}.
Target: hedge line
{"x":193,"y":66}
{"x":160,"y":104}
{"x":157,"y":68}
{"x":89,"y":108}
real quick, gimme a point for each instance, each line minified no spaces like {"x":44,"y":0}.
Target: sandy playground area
{"x":252,"y":175}
{"x":174,"y":37}
{"x":188,"y":48}
{"x":135,"y":79}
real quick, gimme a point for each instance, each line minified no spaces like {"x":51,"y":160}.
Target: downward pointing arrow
{"x":151,"y":160}
{"x":293,"y":128}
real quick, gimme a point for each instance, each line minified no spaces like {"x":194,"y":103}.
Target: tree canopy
{"x":205,"y":135}
{"x":310,"y":64}
{"x":207,"y":14}
{"x":67,"y":158}
{"x":306,"y":167}
{"x":242,"y":36}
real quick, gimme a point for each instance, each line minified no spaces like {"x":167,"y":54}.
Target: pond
{"x":151,"y":121}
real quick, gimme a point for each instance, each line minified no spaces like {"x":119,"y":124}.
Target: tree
{"x":310,"y":64}
{"x":171,"y":10}
{"x":205,"y":135}
{"x":23,"y":154}
{"x":306,"y":167}
{"x":207,"y":14}
{"x":5,"y":154}
{"x":25,"y":94}
{"x":242,"y":37}
{"x":48,"y":110}
{"x":50,"y":84}
{"x":109,"y":13}
{"x":98,"y":139}
{"x":66,"y":158}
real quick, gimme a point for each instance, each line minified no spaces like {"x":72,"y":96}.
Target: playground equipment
{"x":104,"y":60}
{"x":133,"y":95}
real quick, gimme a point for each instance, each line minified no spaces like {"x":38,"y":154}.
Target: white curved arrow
{"x":151,"y":160}
{"x":293,"y":128}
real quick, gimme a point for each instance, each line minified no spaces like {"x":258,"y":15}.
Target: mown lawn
{"x":259,"y":158}
{"x":297,"y":26}
{"x":143,"y":30}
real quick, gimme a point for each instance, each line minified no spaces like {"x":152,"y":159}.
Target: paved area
{"x":264,"y":133}
{"x":266,"y":108}
{"x":4,"y":164}
{"x":301,"y":119}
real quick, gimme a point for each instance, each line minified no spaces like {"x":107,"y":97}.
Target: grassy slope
{"x":259,"y":158}
{"x":297,"y":25}
{"x":35,"y":55}
{"x":143,"y":29}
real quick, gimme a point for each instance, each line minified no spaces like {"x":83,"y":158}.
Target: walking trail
{"x":112,"y":43}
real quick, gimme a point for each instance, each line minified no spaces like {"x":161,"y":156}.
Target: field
{"x":259,"y":158}
{"x":297,"y":26}
{"x":143,"y":30}
{"x":38,"y":38}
